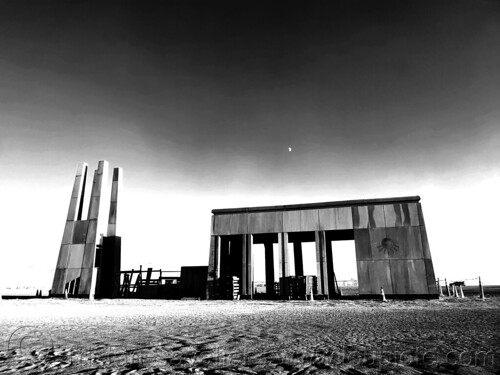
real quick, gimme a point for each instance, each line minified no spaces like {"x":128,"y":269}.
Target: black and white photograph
{"x":249,"y":187}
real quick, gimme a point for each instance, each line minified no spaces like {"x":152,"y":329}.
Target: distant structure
{"x":392,"y":250}
{"x":89,"y":262}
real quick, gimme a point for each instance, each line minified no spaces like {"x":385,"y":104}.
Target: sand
{"x":250,"y":337}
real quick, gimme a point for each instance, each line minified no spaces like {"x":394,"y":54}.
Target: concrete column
{"x":269,"y":256}
{"x":224,"y":256}
{"x":78,"y":192}
{"x":297,"y":257}
{"x":113,"y":205}
{"x":213,"y":258}
{"x":329,"y":270}
{"x":321,"y":262}
{"x":249,"y":270}
{"x":284,"y":264}
{"x":244,"y":277}
{"x":95,"y":228}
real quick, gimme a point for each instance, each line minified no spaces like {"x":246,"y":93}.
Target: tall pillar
{"x":224,"y":257}
{"x":269,"y":256}
{"x":249,"y":264}
{"x":95,"y":228}
{"x":297,"y":257}
{"x":244,"y":276}
{"x":332,"y":290}
{"x":213,"y":266}
{"x":113,"y":206}
{"x":76,"y":263}
{"x":321,"y":263}
{"x":74,"y":215}
{"x":284,"y":264}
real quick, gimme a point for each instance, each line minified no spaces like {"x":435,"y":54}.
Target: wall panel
{"x":291,"y":221}
{"x":265,"y":222}
{"x":408,"y":240}
{"x":430,"y":277}
{"x":413,"y":212}
{"x":76,"y":256}
{"x":408,"y":276}
{"x":362,"y":244}
{"x":62,"y":260}
{"x":376,"y":218}
{"x":393,"y":215}
{"x":222,"y":225}
{"x":327,"y":218}
{"x":372,"y":275}
{"x":80,"y":231}
{"x":360,"y":217}
{"x":343,"y":218}
{"x":309,"y":220}
{"x":239,"y":223}
{"x":377,"y":235}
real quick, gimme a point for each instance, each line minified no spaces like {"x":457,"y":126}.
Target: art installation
{"x":392,"y":250}
{"x":89,"y":262}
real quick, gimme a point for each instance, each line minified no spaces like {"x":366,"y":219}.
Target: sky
{"x":199,"y":103}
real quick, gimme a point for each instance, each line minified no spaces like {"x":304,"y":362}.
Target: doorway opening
{"x":342,"y":252}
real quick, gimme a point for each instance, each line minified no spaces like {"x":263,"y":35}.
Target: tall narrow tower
{"x":76,"y":269}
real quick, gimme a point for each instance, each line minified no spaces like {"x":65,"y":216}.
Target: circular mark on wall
{"x":388,"y":246}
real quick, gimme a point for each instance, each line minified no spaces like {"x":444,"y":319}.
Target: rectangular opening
{"x":344,"y":261}
{"x":259,"y":270}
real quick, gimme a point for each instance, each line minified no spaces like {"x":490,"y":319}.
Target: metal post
{"x":481,"y":290}
{"x":383,"y":295}
{"x":439,"y":288}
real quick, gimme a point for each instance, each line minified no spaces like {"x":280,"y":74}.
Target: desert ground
{"x":52,"y":336}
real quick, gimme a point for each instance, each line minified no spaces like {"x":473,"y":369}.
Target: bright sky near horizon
{"x":199,"y":104}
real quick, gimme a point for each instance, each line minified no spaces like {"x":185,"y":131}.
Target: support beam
{"x":213,"y":265}
{"x":297,"y":257}
{"x":113,"y":204}
{"x":329,"y":269}
{"x":244,"y":277}
{"x":224,"y":257}
{"x":249,"y":270}
{"x":321,"y":263}
{"x":284,"y":264}
{"x":269,"y":256}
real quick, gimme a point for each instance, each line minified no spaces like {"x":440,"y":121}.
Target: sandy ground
{"x":250,"y":337}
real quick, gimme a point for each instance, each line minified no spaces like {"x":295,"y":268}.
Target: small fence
{"x":466,"y":288}
{"x":149,"y":284}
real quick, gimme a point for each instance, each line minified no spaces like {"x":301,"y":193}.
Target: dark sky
{"x":375,"y":98}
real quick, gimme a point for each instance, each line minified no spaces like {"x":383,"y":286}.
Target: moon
{"x":289,"y":149}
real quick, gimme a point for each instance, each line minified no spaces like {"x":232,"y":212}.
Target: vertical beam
{"x":321,"y":262}
{"x":83,"y":179}
{"x":213,"y":266}
{"x":249,"y":270}
{"x":329,"y":269}
{"x":269,"y":257}
{"x":297,"y":257}
{"x":74,"y":213}
{"x":224,"y":256}
{"x":243,"y":279}
{"x":284,"y":264}
{"x":76,"y":202}
{"x":88,"y":279}
{"x":113,"y":204}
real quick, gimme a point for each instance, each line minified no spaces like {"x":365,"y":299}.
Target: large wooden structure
{"x":392,"y":251}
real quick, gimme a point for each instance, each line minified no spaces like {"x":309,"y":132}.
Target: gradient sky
{"x":199,"y":102}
